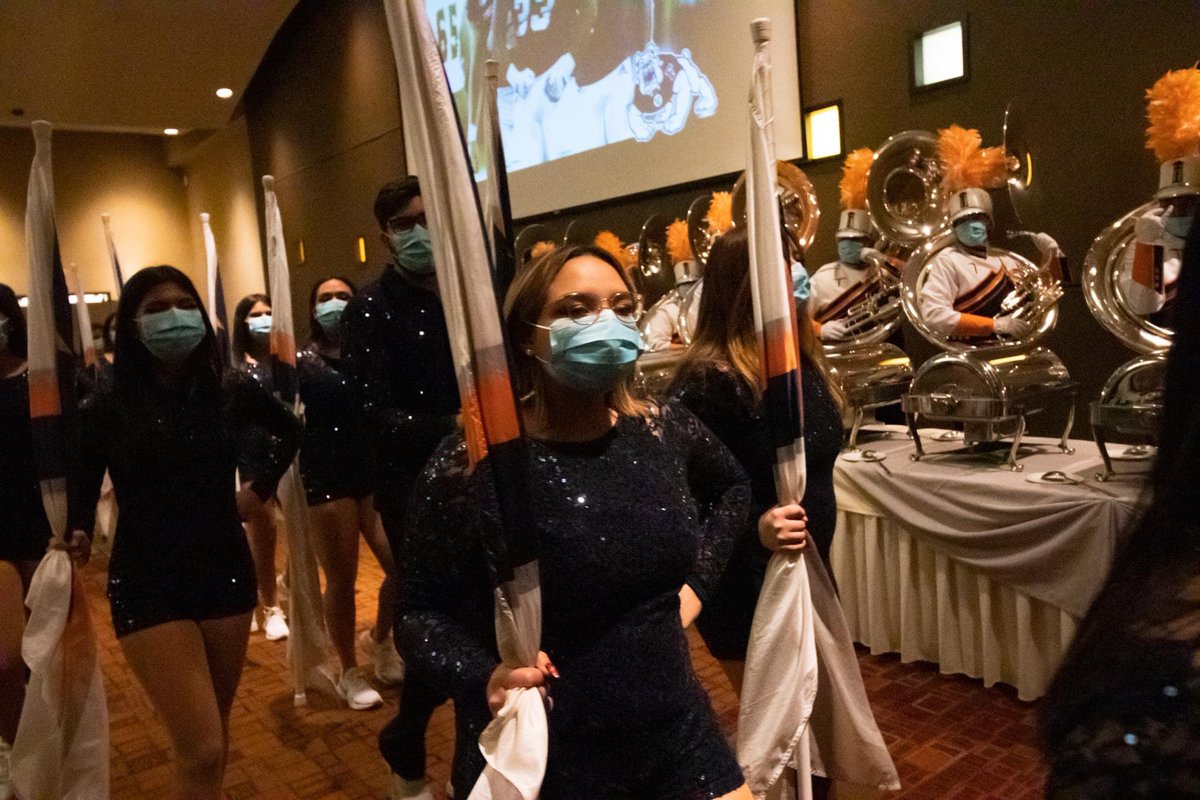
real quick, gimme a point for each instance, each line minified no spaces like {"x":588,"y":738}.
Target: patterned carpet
{"x":952,"y":739}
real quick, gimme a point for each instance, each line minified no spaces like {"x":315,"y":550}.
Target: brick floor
{"x":951,"y":738}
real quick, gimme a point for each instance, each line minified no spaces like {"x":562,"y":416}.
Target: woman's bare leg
{"x":12,"y":668}
{"x":372,"y":530}
{"x":225,"y":643}
{"x":263,"y":536}
{"x":336,"y":536}
{"x":172,"y":662}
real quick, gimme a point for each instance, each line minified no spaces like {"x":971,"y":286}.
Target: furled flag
{"x":83,"y":319}
{"x":216,"y":295}
{"x":61,"y":747}
{"x":307,"y":643}
{"x":515,"y":743}
{"x":497,"y":209}
{"x":118,"y":281}
{"x":803,"y":708}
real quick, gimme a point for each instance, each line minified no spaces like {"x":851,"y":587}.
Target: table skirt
{"x":902,"y":596}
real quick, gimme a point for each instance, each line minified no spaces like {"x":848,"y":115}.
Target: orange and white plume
{"x":968,"y":165}
{"x":540,"y":249}
{"x":610,"y":243}
{"x":1173,"y":110}
{"x":679,"y":244}
{"x":853,"y":186}
{"x":720,"y":213}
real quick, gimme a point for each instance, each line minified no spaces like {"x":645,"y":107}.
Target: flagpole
{"x":306,"y":638}
{"x":83,"y":317}
{"x":118,"y":281}
{"x":216,"y":297}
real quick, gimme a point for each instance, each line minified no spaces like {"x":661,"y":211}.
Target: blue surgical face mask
{"x":850,"y":251}
{"x":800,"y":286}
{"x":972,"y":232}
{"x":592,"y":358}
{"x":1178,"y":226}
{"x":413,"y":250}
{"x":260,"y":326}
{"x":173,"y":334}
{"x":329,"y":314}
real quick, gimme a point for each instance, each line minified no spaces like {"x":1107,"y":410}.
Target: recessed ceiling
{"x":131,"y":65}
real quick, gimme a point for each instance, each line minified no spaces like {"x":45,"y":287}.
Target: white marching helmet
{"x":968,"y":202}
{"x":855,"y":223}
{"x":1178,"y":177}
{"x":688,"y":271}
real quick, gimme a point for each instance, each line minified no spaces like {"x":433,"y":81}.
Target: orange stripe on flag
{"x":283,"y":346}
{"x":499,"y":408}
{"x":472,"y":423}
{"x":779,"y":346}
{"x":44,"y":399}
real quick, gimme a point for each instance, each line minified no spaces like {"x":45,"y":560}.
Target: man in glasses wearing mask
{"x":396,"y":351}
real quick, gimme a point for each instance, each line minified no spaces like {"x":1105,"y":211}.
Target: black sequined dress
{"x":180,"y":551}
{"x":723,"y":401}
{"x":24,"y":531}
{"x":624,"y":521}
{"x":331,"y":461}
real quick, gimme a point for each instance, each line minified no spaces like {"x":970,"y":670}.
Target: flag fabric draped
{"x":61,"y":746}
{"x":118,"y":281}
{"x":216,"y":295}
{"x":515,"y":744}
{"x":803,"y":708}
{"x":307,"y":643}
{"x":497,"y":209}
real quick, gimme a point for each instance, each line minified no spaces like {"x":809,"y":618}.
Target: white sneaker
{"x":401,"y":789}
{"x":275,"y":624}
{"x":389,"y":666}
{"x":354,"y":689}
{"x":6,"y":787}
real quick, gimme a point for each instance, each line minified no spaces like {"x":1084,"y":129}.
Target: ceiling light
{"x":171,"y":131}
{"x":224,"y":93}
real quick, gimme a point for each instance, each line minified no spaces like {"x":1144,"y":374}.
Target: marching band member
{"x":968,"y":282}
{"x":1151,"y":275}
{"x":839,"y":285}
{"x":665,"y":323}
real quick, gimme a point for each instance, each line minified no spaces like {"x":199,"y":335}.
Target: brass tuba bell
{"x":529,"y":237}
{"x":654,"y":275}
{"x":798,"y":202}
{"x":904,"y":193}
{"x":700,"y":236}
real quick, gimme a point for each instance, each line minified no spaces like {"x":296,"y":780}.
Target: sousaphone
{"x":528,"y":238}
{"x":798,"y":204}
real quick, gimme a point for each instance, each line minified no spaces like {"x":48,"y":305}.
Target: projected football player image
{"x":576,"y":74}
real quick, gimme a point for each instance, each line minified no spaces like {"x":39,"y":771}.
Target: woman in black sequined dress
{"x":337,"y":486}
{"x":167,"y":425}
{"x":251,"y":346}
{"x":719,"y":382}
{"x":636,"y":507}
{"x":24,"y":530}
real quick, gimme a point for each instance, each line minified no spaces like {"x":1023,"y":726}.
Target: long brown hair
{"x":523,"y":306}
{"x":725,"y":329}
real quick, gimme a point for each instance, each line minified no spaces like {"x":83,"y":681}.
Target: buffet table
{"x":959,"y":561}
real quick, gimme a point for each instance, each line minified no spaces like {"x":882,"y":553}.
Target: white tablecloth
{"x":958,"y":561}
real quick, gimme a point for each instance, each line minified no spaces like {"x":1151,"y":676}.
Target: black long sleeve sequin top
{"x":624,"y":521}
{"x":331,"y":461}
{"x":258,"y":445}
{"x":1122,"y":719}
{"x":180,"y":551}
{"x":24,"y":530}
{"x":723,"y":401}
{"x":396,"y":351}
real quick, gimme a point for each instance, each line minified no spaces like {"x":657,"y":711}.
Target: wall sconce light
{"x":300,"y":251}
{"x":362,"y":250}
{"x":823,"y":131}
{"x":940,"y":56}
{"x":91,"y":298}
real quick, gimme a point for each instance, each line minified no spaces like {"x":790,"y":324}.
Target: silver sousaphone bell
{"x":528,"y":238}
{"x":800,"y":212}
{"x":1130,"y":406}
{"x":655,"y":279}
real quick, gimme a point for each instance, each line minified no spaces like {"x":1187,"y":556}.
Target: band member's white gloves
{"x":1046,"y":244}
{"x":833,"y":331}
{"x":1012,"y":326}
